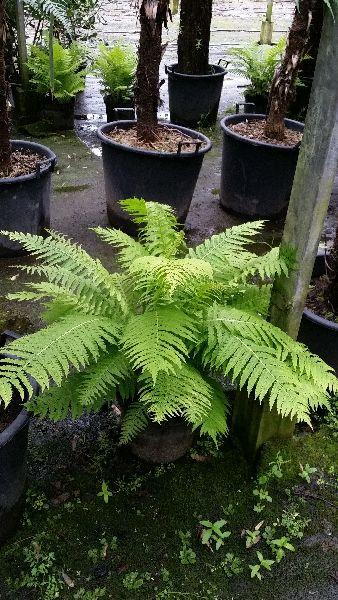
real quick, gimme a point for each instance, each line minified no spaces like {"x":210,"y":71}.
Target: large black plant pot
{"x":59,"y":116}
{"x":13,"y":451}
{"x":168,"y":178}
{"x":319,"y":334}
{"x":113,"y":108}
{"x":163,"y":443}
{"x":25,"y":200}
{"x":194,"y":99}
{"x":256,"y":177}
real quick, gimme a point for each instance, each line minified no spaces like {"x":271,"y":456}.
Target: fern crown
{"x":160,"y":334}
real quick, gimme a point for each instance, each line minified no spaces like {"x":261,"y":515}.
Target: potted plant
{"x":145,"y":158}
{"x":195,"y":86}
{"x":25,"y":172}
{"x":257,"y":63}
{"x":319,"y":326}
{"x":115,"y":68}
{"x":154,"y":335}
{"x":14,"y":423}
{"x":260,"y":153}
{"x":57,"y":90}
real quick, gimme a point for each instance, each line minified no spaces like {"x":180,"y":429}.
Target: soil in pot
{"x":254,"y":130}
{"x":23,"y":162}
{"x":163,"y":443}
{"x":318,"y":300}
{"x":168,"y":140}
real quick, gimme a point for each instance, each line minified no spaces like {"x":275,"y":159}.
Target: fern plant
{"x":68,"y":76}
{"x":116,"y":68}
{"x":155,"y":334}
{"x":257,"y":63}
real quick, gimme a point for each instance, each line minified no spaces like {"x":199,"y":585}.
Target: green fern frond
{"x":48,"y":354}
{"x":128,"y":248}
{"x":214,"y":423}
{"x":59,"y":402}
{"x":102,"y":378}
{"x":227,"y":251}
{"x":267,"y":266}
{"x":158,"y":227}
{"x":156,"y":340}
{"x":251,"y":298}
{"x":134,"y":421}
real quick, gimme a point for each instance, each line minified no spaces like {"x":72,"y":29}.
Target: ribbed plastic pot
{"x":163,"y":443}
{"x":113,"y":108}
{"x":13,"y":451}
{"x":25,"y":200}
{"x":168,"y":178}
{"x":257,"y":177}
{"x":194,"y":99}
{"x":319,"y":334}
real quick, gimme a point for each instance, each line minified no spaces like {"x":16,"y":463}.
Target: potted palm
{"x":25,"y":172}
{"x":145,"y":158}
{"x":14,"y":423}
{"x":319,"y":326}
{"x":115,"y":68}
{"x":158,"y":336}
{"x":260,"y":152}
{"x":195,"y":86}
{"x":57,"y":90}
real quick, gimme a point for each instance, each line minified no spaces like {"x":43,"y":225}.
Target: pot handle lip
{"x":245,"y":104}
{"x":226,"y":62}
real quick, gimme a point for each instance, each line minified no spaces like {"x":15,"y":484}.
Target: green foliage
{"x":263,"y":562}
{"x":306,"y":472}
{"x":159,"y":334}
{"x":258,"y":63}
{"x":280,"y":545}
{"x":231,"y":565}
{"x":116,"y":68}
{"x":69,"y":78}
{"x":187,"y":555}
{"x":134,"y":580}
{"x":105,"y":493}
{"x":212,"y":532}
{"x":41,"y":574}
{"x":83,"y":594}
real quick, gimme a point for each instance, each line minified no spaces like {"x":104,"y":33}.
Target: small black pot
{"x":161,"y":177}
{"x":112,"y":106}
{"x":194,"y":99}
{"x":163,"y":443}
{"x":13,"y":451}
{"x":59,"y":116}
{"x":319,"y":334}
{"x":256,"y":177}
{"x":25,"y":200}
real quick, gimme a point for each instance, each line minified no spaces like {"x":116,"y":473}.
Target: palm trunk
{"x":5,"y":147}
{"x":194,"y":37}
{"x":332,"y":291}
{"x":153,"y":15}
{"x":283,"y":84}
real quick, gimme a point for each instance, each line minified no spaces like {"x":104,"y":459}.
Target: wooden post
{"x":267,"y":25}
{"x":22,"y":45}
{"x":312,"y":187}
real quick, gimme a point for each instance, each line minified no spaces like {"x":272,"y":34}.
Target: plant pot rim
{"x":220,"y":72}
{"x":19,"y":422}
{"x":40,"y":149}
{"x":165,"y":155}
{"x":231,"y":119}
{"x":314,"y":318}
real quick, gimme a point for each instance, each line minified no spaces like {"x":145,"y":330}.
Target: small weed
{"x":134,"y":580}
{"x":105,"y":492}
{"x":42,"y":574}
{"x":232,"y":565}
{"x":279,"y":546}
{"x":212,"y":532}
{"x":306,"y":472}
{"x":252,"y":537}
{"x":83,"y":594}
{"x":187,"y":555}
{"x":263,"y":562}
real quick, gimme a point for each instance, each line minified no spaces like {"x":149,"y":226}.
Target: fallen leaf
{"x":67,"y":580}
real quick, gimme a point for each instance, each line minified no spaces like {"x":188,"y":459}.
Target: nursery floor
{"x":74,"y":544}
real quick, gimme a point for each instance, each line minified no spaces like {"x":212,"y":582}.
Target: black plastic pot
{"x":13,"y":450}
{"x":256,"y":177}
{"x":319,"y":334}
{"x":25,"y":200}
{"x":160,"y":177}
{"x":259,"y":100}
{"x":163,"y":443}
{"x":194,"y":99}
{"x":59,"y":116}
{"x":112,"y":106}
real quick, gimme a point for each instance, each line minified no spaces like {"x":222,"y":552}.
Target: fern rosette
{"x":157,"y":335}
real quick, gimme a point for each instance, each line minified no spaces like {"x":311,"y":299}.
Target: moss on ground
{"x":149,"y":506}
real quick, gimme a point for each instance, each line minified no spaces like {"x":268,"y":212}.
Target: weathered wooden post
{"x":267,"y":25}
{"x":312,"y":187}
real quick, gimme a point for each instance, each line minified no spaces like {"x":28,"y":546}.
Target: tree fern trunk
{"x":153,"y":15}
{"x":5,"y":148}
{"x":283,"y":84}
{"x":194,"y":37}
